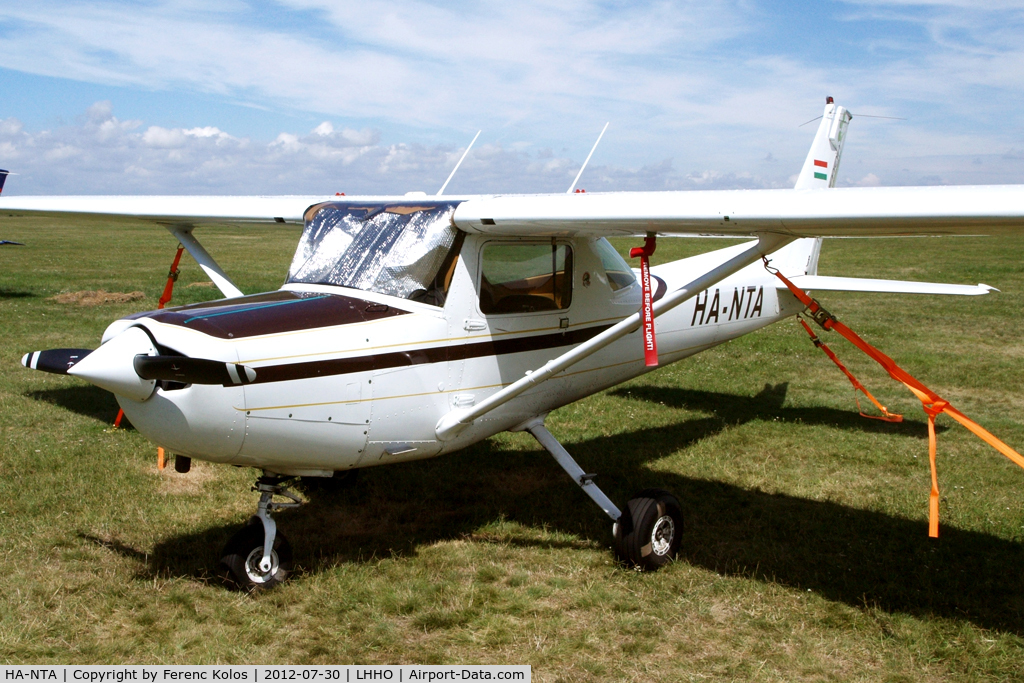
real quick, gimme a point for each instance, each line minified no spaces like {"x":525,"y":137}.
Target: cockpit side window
{"x":525,"y":278}
{"x":618,"y":272}
{"x":437,"y":292}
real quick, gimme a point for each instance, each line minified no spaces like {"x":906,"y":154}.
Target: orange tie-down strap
{"x":932,"y":403}
{"x":886,"y":416}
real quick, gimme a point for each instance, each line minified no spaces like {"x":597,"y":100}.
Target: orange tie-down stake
{"x":932,"y":403}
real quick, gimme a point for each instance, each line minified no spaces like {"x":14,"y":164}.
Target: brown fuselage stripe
{"x":436,"y":354}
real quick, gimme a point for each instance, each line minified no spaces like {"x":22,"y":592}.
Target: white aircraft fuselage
{"x":410,"y":327}
{"x":346,"y":378}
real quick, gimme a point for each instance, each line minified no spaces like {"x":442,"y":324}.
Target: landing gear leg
{"x":647,"y":535}
{"x":583,"y":480}
{"x":258,"y":557}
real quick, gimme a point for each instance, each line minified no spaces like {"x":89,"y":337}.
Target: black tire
{"x":648,"y":534}
{"x":242,"y":554}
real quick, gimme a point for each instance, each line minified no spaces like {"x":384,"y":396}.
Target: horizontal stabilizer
{"x":824,"y":283}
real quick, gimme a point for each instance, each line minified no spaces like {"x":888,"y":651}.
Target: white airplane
{"x":413,"y":326}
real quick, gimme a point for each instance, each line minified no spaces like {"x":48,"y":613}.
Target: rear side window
{"x":525,"y":278}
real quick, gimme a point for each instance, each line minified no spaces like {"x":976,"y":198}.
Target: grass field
{"x":805,"y":557}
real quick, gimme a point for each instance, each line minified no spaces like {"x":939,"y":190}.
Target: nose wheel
{"x":259,"y":557}
{"x":243,"y":555}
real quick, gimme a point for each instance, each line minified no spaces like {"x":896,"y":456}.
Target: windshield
{"x":402,"y":250}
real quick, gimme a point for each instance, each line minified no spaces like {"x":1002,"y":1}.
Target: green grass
{"x":805,"y":558}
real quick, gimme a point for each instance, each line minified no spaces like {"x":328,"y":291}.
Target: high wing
{"x":178,"y":214}
{"x":167,"y":209}
{"x":813,"y":208}
{"x":838,"y":212}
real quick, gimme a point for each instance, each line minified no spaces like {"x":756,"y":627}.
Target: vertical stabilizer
{"x":822,"y":164}
{"x":819,"y":173}
{"x":3,"y":177}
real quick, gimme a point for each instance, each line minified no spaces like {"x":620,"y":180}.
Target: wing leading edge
{"x":943,"y":210}
{"x":189,"y":209}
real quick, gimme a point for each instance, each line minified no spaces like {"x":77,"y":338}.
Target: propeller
{"x":57,"y":361}
{"x":170,"y":368}
{"x":192,"y":370}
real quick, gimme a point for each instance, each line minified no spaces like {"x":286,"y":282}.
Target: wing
{"x":957,"y":210}
{"x":168,"y":209}
{"x":178,"y":214}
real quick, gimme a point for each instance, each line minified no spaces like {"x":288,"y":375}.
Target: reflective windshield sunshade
{"x":393,"y":249}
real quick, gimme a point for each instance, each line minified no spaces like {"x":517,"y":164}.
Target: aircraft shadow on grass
{"x":767,"y":405}
{"x":14,"y":294}
{"x":853,"y":556}
{"x":85,"y":400}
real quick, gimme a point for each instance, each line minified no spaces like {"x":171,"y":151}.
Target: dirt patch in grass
{"x":97,"y":297}
{"x":190,"y":483}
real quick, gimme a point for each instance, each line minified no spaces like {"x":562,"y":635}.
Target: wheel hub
{"x":662,"y":535}
{"x":252,"y":566}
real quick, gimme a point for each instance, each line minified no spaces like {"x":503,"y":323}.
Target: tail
{"x":819,"y":172}
{"x":822,"y":164}
{"x":3,"y":177}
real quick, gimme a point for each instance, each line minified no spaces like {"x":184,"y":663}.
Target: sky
{"x":318,"y":96}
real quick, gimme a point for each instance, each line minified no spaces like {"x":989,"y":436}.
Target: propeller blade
{"x":57,"y":361}
{"x":192,"y":370}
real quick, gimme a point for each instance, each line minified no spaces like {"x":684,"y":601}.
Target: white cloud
{"x":155,"y":136}
{"x":130,"y":158}
{"x":870,"y":180}
{"x":697,"y":92}
{"x":133,"y":159}
{"x":208,"y":132}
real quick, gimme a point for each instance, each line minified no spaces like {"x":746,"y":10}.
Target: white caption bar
{"x":263,"y":673}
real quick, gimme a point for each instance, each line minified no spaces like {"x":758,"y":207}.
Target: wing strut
{"x":203,"y":258}
{"x":454,"y":422}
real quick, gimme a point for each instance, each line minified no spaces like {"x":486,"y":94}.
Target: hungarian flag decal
{"x":822,"y":164}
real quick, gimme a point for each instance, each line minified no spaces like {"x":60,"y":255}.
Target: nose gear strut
{"x":258,"y":557}
{"x":270,"y":486}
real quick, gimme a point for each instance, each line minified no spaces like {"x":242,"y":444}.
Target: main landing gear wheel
{"x":242,"y":555}
{"x":648,"y":534}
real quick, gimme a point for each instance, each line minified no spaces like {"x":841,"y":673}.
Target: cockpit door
{"x":509,"y":311}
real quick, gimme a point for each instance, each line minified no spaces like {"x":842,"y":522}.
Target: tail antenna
{"x":461,"y":159}
{"x":587,"y":161}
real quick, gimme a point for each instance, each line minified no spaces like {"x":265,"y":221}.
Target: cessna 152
{"x":413,"y":326}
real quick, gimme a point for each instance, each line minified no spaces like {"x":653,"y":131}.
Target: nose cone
{"x":111,"y":366}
